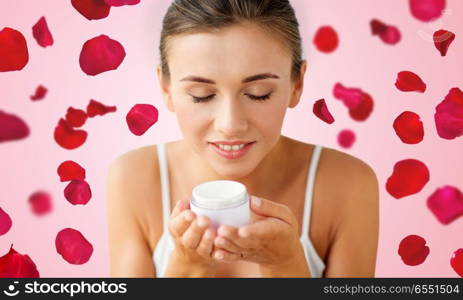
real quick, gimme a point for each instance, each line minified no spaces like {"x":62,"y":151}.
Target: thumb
{"x":264,"y":207}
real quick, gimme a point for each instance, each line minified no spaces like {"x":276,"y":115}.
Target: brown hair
{"x":192,"y":16}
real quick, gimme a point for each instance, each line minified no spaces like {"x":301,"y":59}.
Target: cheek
{"x":191,"y":120}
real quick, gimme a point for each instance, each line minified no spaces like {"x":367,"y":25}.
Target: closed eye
{"x":253,"y":97}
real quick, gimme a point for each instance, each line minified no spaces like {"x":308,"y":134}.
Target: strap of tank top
{"x":164,"y":185}
{"x":309,"y":189}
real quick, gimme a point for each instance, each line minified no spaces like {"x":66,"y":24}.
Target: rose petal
{"x":40,"y":202}
{"x":351,"y":97}
{"x":121,"y":2}
{"x":141,"y":117}
{"x":363,"y":110}
{"x":67,"y":137}
{"x":409,"y":82}
{"x":78,"y":192}
{"x":427,"y":10}
{"x":95,"y":108}
{"x":449,"y":115}
{"x":408,"y":177}
{"x":457,"y":261}
{"x":446,"y":203}
{"x":73,"y":246}
{"x":326,"y":39}
{"x":321,"y":111}
{"x":76,"y":117}
{"x":442,"y":40}
{"x":388,"y":34}
{"x":13,"y":50}
{"x":409,"y":128}
{"x":41,"y":33}
{"x":69,"y":170}
{"x":346,"y":138}
{"x":16,"y":265}
{"x":92,"y":9}
{"x":5,"y":222}
{"x":413,"y":250}
{"x":12,"y":127}
{"x":40,"y":93}
{"x":377,"y":27}
{"x":101,"y":54}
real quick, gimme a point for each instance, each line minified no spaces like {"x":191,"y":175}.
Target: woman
{"x":229,"y":70}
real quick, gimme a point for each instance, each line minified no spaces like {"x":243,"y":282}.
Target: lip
{"x":232,"y":143}
{"x":233,"y":154}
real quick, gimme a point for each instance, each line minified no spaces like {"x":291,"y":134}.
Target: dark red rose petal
{"x":449,"y":115}
{"x":13,"y":50}
{"x":141,"y":117}
{"x":76,"y":117}
{"x":5,"y":222}
{"x":73,"y":246}
{"x":78,"y":192}
{"x":95,"y":108}
{"x":408,"y":177}
{"x":121,"y":2}
{"x":12,"y":127}
{"x":41,"y":33}
{"x":92,"y":9}
{"x":363,"y":110}
{"x":446,"y":203}
{"x":67,"y":137}
{"x":69,"y":170}
{"x":321,"y":111}
{"x":326,"y":39}
{"x":413,"y":250}
{"x":457,"y":261}
{"x":16,"y":265}
{"x":101,"y":54}
{"x":388,"y":34}
{"x":40,"y":93}
{"x":427,"y":10}
{"x":442,"y":40}
{"x":409,"y":128}
{"x":351,"y":97}
{"x":409,"y":82}
{"x":346,"y":138}
{"x":40,"y":202}
{"x":377,"y":27}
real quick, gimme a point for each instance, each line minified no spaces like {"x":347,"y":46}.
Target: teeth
{"x":231,"y":147}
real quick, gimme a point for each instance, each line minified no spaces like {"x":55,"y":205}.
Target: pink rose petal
{"x":321,"y":111}
{"x":12,"y":127}
{"x":92,"y":9}
{"x":457,"y":261}
{"x":40,"y":202}
{"x":449,"y":115}
{"x":5,"y":222}
{"x":73,"y":246}
{"x":408,"y":177}
{"x":446,"y":203}
{"x":413,"y":250}
{"x":67,"y":137}
{"x":13,"y":50}
{"x":76,"y":117}
{"x":409,"y":128}
{"x":40,"y":93}
{"x":346,"y":138}
{"x":409,"y":82}
{"x":141,"y":117}
{"x":427,"y":10}
{"x":442,"y":40}
{"x":101,"y":54}
{"x":69,"y":170}
{"x":78,"y":192}
{"x":326,"y":39}
{"x":95,"y":108}
{"x":41,"y":33}
{"x":359,"y":103}
{"x":17,"y":265}
{"x":121,"y":2}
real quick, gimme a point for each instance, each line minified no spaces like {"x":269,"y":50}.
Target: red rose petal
{"x":346,"y":138}
{"x":408,"y":177}
{"x":446,"y":203}
{"x":12,"y":127}
{"x":40,"y":93}
{"x":76,"y":117}
{"x":321,"y":111}
{"x":5,"y":222}
{"x":413,"y":250}
{"x":377,"y":27}
{"x":16,"y":265}
{"x":427,"y":10}
{"x":457,"y":261}
{"x":69,"y":170}
{"x":360,"y":104}
{"x":442,"y":40}
{"x":13,"y":50}
{"x":101,"y":54}
{"x":409,"y":82}
{"x":363,"y":110}
{"x":40,"y":202}
{"x":409,"y":128}
{"x":449,"y":115}
{"x":78,"y":192}
{"x":326,"y":39}
{"x":121,"y":2}
{"x":67,"y":137}
{"x":92,"y":9}
{"x":41,"y":33}
{"x":95,"y":108}
{"x":141,"y":117}
{"x":73,"y":246}
{"x":388,"y":34}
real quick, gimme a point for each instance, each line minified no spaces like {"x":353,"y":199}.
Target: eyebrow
{"x":245,"y":80}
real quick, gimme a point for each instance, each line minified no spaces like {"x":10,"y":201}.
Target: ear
{"x":298,"y":86}
{"x":165,"y":85}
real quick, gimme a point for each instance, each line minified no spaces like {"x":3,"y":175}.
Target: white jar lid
{"x":219,"y":194}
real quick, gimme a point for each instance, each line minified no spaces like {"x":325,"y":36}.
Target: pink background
{"x":361,"y":60}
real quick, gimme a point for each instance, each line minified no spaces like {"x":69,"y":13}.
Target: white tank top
{"x":166,"y":244}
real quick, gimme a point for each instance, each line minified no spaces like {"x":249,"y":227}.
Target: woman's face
{"x":220,"y":67}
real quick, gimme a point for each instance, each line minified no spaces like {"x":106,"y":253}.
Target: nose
{"x":231,"y":120}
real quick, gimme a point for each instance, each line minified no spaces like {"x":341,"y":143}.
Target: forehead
{"x":235,"y":51}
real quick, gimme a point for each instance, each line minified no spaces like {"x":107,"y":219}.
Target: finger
{"x":194,"y":233}
{"x":223,"y":255}
{"x":179,"y":224}
{"x":226,"y":244}
{"x":269,"y":208}
{"x":180,"y":206}
{"x":206,"y":245}
{"x":232,"y":234}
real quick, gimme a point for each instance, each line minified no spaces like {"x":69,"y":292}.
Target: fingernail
{"x":256,"y":201}
{"x":219,"y":255}
{"x":208,"y":235}
{"x":243,"y":233}
{"x":201,"y":222}
{"x":188,"y":216}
